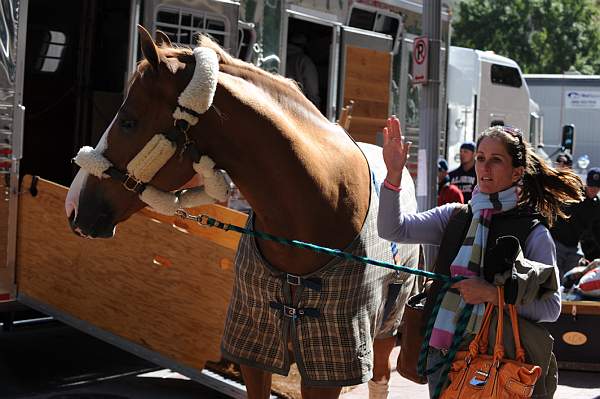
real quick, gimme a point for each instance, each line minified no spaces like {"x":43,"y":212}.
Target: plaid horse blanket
{"x":333,"y":318}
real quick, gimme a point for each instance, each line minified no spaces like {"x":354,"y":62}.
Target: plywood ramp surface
{"x":151,"y":284}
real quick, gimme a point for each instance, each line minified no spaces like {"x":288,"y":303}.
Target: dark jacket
{"x":584,"y":218}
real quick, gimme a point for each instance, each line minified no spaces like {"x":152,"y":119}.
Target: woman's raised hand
{"x":395,"y":150}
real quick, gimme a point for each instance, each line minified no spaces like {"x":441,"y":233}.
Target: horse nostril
{"x":76,"y":229}
{"x":104,"y":227}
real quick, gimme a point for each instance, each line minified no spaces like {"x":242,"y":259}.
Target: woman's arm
{"x":539,"y":247}
{"x":411,"y":228}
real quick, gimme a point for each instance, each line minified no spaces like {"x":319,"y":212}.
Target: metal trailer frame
{"x":12,"y":115}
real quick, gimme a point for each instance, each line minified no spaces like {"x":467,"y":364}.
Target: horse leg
{"x":320,"y":392}
{"x":258,"y":382}
{"x":378,"y":386}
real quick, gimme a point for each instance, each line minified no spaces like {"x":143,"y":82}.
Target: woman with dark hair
{"x":517,"y":196}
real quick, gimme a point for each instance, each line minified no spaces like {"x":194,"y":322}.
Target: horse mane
{"x":279,"y":87}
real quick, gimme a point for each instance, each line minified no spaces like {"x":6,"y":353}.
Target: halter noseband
{"x":195,"y":100}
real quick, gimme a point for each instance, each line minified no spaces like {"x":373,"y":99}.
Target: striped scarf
{"x":469,"y":262}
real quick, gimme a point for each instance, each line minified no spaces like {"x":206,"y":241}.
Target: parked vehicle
{"x":569,"y":100}
{"x":486,"y":89}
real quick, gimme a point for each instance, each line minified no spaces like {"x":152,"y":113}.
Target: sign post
{"x":426,"y":71}
{"x":420,"y":60}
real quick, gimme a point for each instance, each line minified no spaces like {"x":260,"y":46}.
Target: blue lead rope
{"x":207,"y":221}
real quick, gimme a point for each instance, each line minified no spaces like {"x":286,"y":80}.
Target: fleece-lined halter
{"x":195,"y":100}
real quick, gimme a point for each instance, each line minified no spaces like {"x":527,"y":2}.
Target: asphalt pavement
{"x":50,"y":360}
{"x":53,"y":361}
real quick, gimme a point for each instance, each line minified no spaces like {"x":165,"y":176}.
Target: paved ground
{"x":572,"y":385}
{"x":53,"y":361}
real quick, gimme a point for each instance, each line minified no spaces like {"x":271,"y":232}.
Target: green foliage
{"x":543,"y":36}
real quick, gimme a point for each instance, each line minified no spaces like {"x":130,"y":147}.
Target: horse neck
{"x":303,"y":176}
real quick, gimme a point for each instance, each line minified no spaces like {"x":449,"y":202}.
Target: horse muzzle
{"x":101,"y":226}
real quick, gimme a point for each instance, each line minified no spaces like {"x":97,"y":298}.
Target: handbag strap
{"x":499,"y":344}
{"x":480,"y":342}
{"x":519,"y":350}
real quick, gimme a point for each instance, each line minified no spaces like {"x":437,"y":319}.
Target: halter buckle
{"x":202,"y":220}
{"x":131,"y":183}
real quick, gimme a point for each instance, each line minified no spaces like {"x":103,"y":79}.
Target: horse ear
{"x":148,"y":47}
{"x":162,"y":39}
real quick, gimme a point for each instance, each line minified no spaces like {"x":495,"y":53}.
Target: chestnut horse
{"x":305,"y":179}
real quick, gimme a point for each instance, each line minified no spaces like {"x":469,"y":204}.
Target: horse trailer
{"x":65,"y":70}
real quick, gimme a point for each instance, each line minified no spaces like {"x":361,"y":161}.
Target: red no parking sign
{"x":419,"y":60}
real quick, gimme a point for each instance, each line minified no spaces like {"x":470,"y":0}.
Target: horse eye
{"x":127,"y":123}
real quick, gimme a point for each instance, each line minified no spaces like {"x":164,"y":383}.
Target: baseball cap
{"x":442,"y":164}
{"x":468,"y":145}
{"x":566,"y":159}
{"x":593,"y":177}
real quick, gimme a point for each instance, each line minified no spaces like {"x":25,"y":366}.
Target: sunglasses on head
{"x":513,"y":131}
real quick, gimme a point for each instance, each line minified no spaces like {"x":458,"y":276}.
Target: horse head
{"x":297,"y":170}
{"x":146,"y":149}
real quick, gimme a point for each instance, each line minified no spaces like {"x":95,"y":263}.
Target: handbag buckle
{"x":479,"y":378}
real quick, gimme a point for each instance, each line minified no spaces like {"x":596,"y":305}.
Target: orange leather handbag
{"x":475,"y":374}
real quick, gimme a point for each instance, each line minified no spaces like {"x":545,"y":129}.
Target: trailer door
{"x":321,"y":46}
{"x":365,"y":78}
{"x":14,"y":22}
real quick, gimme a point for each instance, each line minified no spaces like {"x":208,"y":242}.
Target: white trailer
{"x":486,"y":89}
{"x":565,"y":100}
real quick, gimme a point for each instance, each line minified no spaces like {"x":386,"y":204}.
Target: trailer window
{"x":505,"y":75}
{"x":51,"y":52}
{"x":362,"y":19}
{"x":377,"y":20}
{"x":182,"y":25}
{"x":386,"y":24}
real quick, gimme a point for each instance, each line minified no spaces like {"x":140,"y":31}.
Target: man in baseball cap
{"x":468,"y":145}
{"x":464,"y":176}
